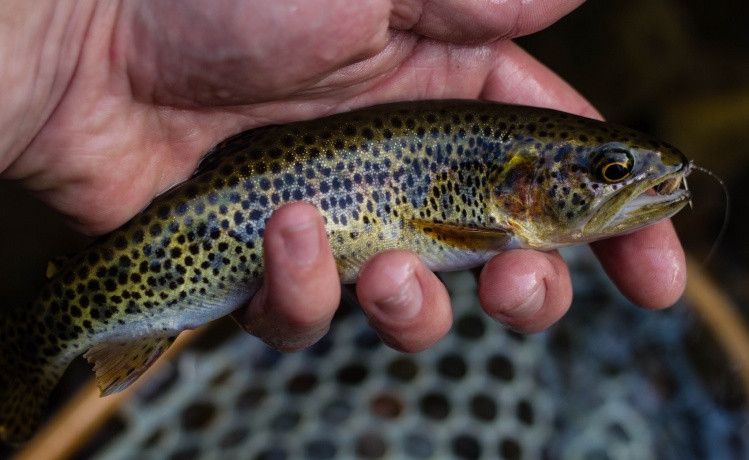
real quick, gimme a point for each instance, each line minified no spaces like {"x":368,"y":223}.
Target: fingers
{"x":301,"y":290}
{"x":410,"y":308}
{"x":238,"y":57}
{"x":527,"y":291}
{"x":458,"y":21}
{"x":648,"y":266}
{"x":405,"y":302}
{"x":518,"y":78}
{"x":430,"y":69}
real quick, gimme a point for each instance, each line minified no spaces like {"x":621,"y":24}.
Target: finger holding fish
{"x":648,"y":266}
{"x":301,"y":290}
{"x":527,"y":291}
{"x":405,"y":302}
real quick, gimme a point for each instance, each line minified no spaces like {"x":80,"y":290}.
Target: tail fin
{"x":27,"y":376}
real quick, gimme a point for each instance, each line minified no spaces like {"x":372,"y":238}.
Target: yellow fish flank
{"x":456,"y":182}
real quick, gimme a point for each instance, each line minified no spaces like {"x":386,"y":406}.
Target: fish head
{"x":553,"y":193}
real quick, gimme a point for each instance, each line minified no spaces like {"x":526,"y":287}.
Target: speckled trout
{"x":456,"y":182}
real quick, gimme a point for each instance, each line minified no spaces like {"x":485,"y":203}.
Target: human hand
{"x":113,"y":103}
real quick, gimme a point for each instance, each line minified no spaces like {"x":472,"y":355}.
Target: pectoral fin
{"x":119,"y":364}
{"x":464,"y":236}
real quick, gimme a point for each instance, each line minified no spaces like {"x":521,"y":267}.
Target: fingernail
{"x":406,"y":302}
{"x":531,"y":305}
{"x":302,"y":242}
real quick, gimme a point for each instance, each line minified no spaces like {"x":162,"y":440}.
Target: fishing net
{"x":608,"y":382}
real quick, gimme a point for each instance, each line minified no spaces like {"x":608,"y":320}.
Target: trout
{"x":454,"y":181}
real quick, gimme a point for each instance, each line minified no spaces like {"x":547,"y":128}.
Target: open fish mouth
{"x":642,"y":204}
{"x":663,"y":192}
{"x":670,"y":185}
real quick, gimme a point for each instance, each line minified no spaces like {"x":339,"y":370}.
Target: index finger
{"x":458,"y":21}
{"x":648,"y":266}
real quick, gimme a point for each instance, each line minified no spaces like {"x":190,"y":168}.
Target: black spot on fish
{"x":124,"y":261}
{"x":120,"y":242}
{"x":108,"y":254}
{"x":163,"y":211}
{"x":100,"y":300}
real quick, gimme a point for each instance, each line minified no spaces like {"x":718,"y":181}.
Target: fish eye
{"x":612,"y":164}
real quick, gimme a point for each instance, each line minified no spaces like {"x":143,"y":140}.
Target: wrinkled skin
{"x":107,"y":104}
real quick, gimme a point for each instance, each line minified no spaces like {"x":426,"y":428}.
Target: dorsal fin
{"x":54,"y":265}
{"x":119,"y":364}
{"x":463,"y":236}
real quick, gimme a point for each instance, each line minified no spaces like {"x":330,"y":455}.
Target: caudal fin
{"x":27,"y":377}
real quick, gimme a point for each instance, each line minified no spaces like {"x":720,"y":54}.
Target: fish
{"x":454,"y":181}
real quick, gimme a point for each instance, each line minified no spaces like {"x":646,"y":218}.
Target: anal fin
{"x":463,"y":236}
{"x":119,"y":364}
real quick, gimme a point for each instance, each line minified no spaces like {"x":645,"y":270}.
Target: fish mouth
{"x":641,"y":204}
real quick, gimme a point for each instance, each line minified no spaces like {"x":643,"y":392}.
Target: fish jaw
{"x":640,"y":206}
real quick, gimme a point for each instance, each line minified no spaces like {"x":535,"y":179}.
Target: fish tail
{"x":27,"y":378}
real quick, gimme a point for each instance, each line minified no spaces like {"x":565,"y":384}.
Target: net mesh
{"x":608,"y":382}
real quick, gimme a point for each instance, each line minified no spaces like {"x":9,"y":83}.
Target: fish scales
{"x":456,"y":182}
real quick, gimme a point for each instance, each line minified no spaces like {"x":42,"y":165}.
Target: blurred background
{"x":678,"y":69}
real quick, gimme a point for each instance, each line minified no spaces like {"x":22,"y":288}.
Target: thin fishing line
{"x":726,"y":215}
